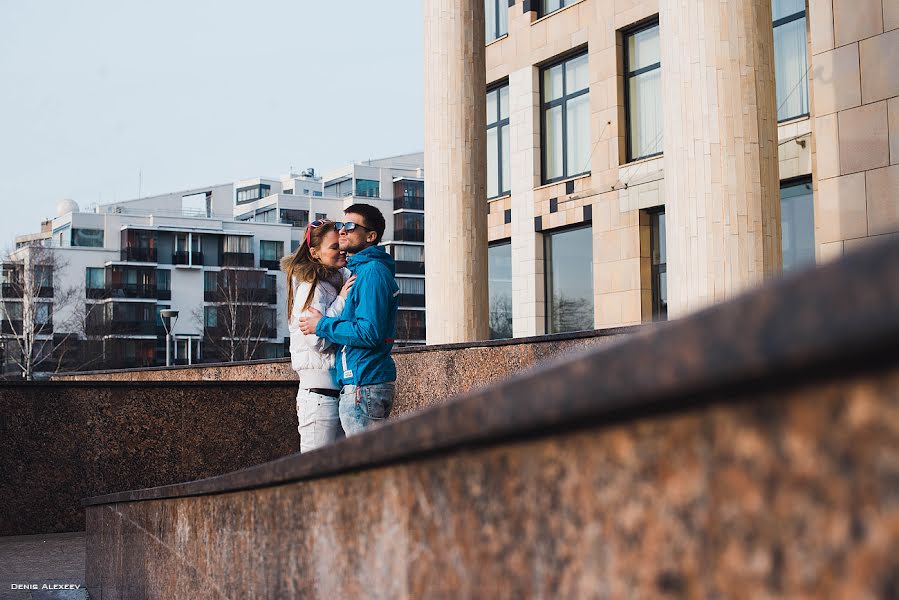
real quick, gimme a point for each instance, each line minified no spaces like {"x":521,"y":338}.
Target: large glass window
{"x":659,"y":252}
{"x":95,"y":278}
{"x":566,"y":119}
{"x":164,"y":280}
{"x":569,"y":280}
{"x":237,"y":243}
{"x":499,"y":284}
{"x":498,"y":178}
{"x":550,"y":6}
{"x":90,"y":238}
{"x":643,"y":87}
{"x":497,"y":13}
{"x":790,"y":58}
{"x":797,"y":224}
{"x":271,"y":250}
{"x":368,"y":188}
{"x":409,"y":227}
{"x":254,"y":192}
{"x":340,"y":189}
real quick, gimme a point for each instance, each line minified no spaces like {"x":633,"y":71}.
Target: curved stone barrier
{"x":750,"y":448}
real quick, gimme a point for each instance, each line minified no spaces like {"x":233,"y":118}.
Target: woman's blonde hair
{"x":302,"y":266}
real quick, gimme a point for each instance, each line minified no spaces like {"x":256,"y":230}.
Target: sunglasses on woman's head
{"x":314,"y":225}
{"x":349,"y":226}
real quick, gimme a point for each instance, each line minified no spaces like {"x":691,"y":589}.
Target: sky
{"x":101,"y":100}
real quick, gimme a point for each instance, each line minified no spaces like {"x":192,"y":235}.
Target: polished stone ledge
{"x":825,"y":323}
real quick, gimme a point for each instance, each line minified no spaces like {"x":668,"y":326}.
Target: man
{"x":365,"y":329}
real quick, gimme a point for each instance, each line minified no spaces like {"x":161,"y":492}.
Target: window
{"x":42,"y":313}
{"x":295,"y":218}
{"x":94,"y":278}
{"x":409,"y":227}
{"x":497,"y":14}
{"x":569,"y":280}
{"x":368,"y":188}
{"x":272,"y":251}
{"x":409,"y":253}
{"x":316,"y":193}
{"x":643,"y":92}
{"x":797,"y":223}
{"x":411,"y":286}
{"x":320,"y":216}
{"x":211,"y":316}
{"x":89,"y":238}
{"x":340,"y":189}
{"x":499,"y":285}
{"x":210,"y":281}
{"x":253,"y":192}
{"x":237,"y":244}
{"x":790,"y":58}
{"x":288,"y":192}
{"x":659,"y":265}
{"x":305,"y":191}
{"x":498,"y":178}
{"x":551,"y":6}
{"x":566,"y":119}
{"x":164,"y":279}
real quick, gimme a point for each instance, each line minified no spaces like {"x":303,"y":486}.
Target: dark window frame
{"x":563,"y":4}
{"x":498,"y":5}
{"x":498,"y":125}
{"x":562,"y":101}
{"x":656,"y":270}
{"x":547,"y":235}
{"x":628,"y":75}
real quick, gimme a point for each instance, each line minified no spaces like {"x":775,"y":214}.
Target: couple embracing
{"x":342,"y":318}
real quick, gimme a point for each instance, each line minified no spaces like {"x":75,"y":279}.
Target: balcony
{"x":411,"y":300}
{"x":242,"y":296}
{"x":182,"y":257}
{"x":131,"y":291}
{"x":163,"y":294}
{"x":264,"y":332}
{"x":127,"y":327}
{"x":96,"y":293}
{"x":409,"y":203}
{"x":139,"y":254}
{"x":237,"y":259}
{"x":407,"y":267}
{"x":271,"y":265}
{"x":302,"y":223}
{"x":16,"y":290}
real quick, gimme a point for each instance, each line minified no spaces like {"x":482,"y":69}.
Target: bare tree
{"x":242,"y":319}
{"x":40,"y":320}
{"x":501,"y":316}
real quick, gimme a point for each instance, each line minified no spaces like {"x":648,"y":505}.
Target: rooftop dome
{"x":66,"y":206}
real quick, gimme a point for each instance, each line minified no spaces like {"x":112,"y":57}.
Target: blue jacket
{"x":366,"y":327}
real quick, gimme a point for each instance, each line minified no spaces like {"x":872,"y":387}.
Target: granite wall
{"x":62,"y":442}
{"x":425,"y":374}
{"x":749,"y":450}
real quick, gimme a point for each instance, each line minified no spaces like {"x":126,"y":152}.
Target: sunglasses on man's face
{"x":349,"y":226}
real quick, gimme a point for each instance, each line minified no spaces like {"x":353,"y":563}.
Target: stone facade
{"x":850,"y":141}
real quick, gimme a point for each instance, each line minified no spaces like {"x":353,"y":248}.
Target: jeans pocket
{"x":377,"y":400}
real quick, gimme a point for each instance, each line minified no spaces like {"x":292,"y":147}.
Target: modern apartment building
{"x":211,"y":253}
{"x":649,"y":153}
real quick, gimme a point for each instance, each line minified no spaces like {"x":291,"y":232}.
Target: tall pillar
{"x":722,"y":196}
{"x":455,"y":172}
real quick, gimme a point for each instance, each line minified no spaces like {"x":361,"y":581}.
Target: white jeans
{"x":319,"y":421}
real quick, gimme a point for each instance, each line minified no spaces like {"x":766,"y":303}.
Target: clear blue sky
{"x":195,"y":93}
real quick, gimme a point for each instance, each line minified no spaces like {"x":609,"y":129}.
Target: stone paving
{"x":52,"y":559}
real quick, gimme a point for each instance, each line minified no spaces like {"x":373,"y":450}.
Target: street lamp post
{"x":169,"y":317}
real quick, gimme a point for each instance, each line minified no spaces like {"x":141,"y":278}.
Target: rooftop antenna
{"x":140,"y":181}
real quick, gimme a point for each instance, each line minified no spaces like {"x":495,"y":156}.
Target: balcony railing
{"x":407,"y":267}
{"x":139,"y":254}
{"x":183,"y":257}
{"x":295,"y":222}
{"x":242,"y":296}
{"x":131,"y":291}
{"x":13,"y":290}
{"x":409,"y":235}
{"x":409,"y":202}
{"x":237,"y":259}
{"x":267,"y":332}
{"x":118,"y":326}
{"x":271,"y":265}
{"x":411,"y":300}
{"x":163,"y":294}
{"x":96,"y":293}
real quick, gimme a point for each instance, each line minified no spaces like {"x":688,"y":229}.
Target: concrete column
{"x":722,"y":192}
{"x":455,"y":171}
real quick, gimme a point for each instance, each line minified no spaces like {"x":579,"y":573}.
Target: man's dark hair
{"x":373,"y":218}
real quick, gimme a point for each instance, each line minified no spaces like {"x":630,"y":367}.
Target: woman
{"x":316,"y":279}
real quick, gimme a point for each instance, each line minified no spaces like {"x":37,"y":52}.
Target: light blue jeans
{"x":319,"y":423}
{"x":363,"y":406}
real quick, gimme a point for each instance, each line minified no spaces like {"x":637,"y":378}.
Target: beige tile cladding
{"x":456,"y":163}
{"x":879,"y":60}
{"x":855,"y":20}
{"x":837,"y":82}
{"x":864,"y":138}
{"x":882,"y":191}
{"x":821,"y":25}
{"x":893,"y":118}
{"x":890,"y":15}
{"x":841,"y":208}
{"x":828,"y":145}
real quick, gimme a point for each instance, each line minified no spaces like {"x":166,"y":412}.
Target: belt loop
{"x":358,"y":394}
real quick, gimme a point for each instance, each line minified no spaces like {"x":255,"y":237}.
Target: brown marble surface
{"x":61,"y":442}
{"x":787,"y":493}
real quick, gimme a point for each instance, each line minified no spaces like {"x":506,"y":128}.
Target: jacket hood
{"x":371,"y":254}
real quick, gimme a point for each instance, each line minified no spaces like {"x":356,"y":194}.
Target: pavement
{"x":36,"y":560}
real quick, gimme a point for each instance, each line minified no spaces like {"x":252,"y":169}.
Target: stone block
{"x":836,"y":80}
{"x":827,"y":146}
{"x":855,"y":20}
{"x":882,"y":191}
{"x":864,"y":138}
{"x":878,"y":58}
{"x":842,"y":212}
{"x":893,"y":119}
{"x":821,"y":25}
